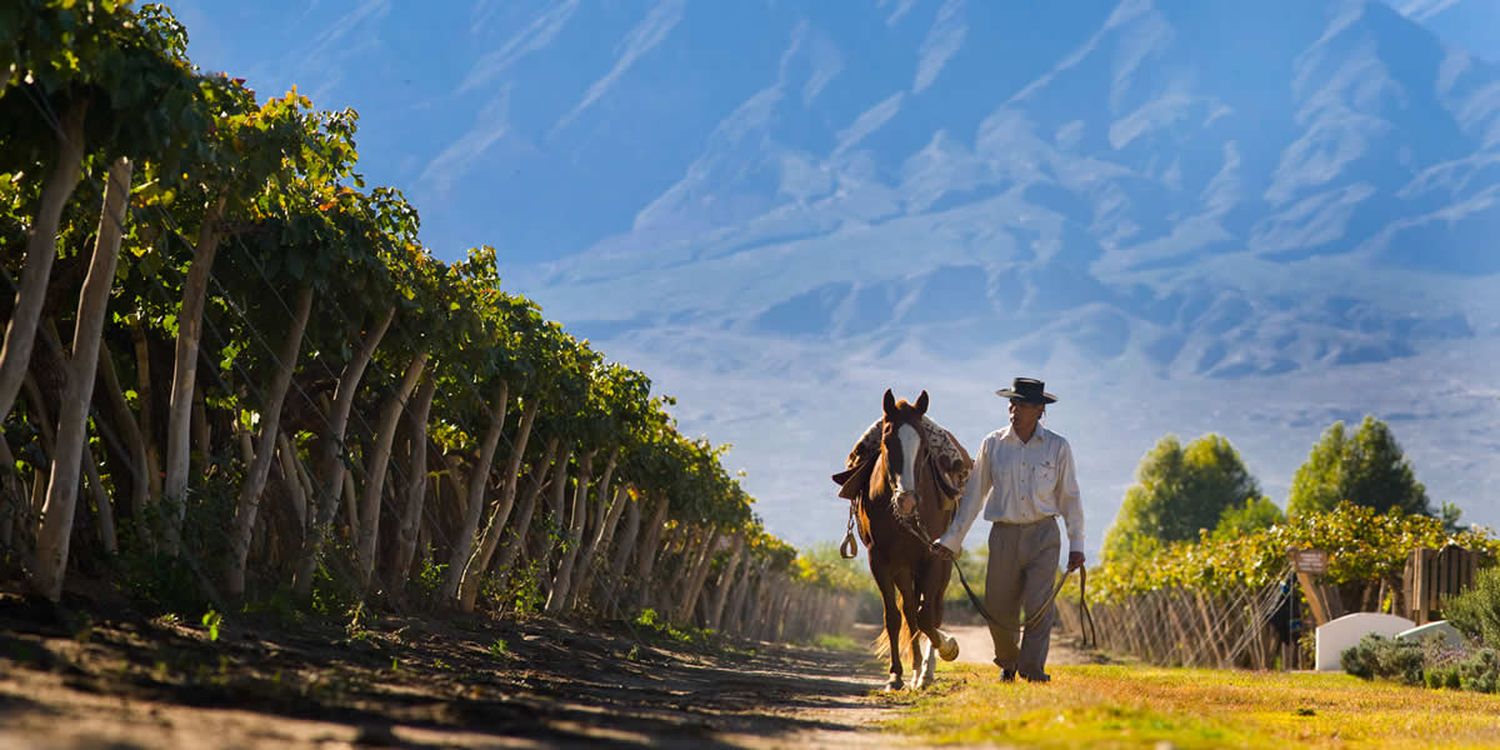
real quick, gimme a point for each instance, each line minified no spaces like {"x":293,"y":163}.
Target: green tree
{"x":1179,"y":490}
{"x":369,"y":228}
{"x":1450,"y":513}
{"x":64,"y":56}
{"x":1366,"y":468}
{"x":287,"y":255}
{"x":1255,"y":514}
{"x":126,"y":91}
{"x":222,"y":180}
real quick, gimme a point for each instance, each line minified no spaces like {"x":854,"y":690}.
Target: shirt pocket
{"x":1046,"y":475}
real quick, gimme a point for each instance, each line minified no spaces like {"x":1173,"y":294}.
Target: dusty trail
{"x":71,"y":679}
{"x":76,"y":678}
{"x":976,"y":647}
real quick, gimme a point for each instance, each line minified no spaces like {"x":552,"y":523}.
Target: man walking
{"x":1023,"y":479}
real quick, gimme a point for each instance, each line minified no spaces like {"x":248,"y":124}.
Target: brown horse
{"x":904,"y":496}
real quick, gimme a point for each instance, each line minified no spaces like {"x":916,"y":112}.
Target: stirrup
{"x":849,"y":549}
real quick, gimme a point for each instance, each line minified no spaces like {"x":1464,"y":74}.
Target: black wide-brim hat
{"x":1029,"y":390}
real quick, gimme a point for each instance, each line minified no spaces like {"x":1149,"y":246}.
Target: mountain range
{"x":1245,"y":218}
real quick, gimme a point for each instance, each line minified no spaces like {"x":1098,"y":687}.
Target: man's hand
{"x":1075,"y":561}
{"x":942,"y":551}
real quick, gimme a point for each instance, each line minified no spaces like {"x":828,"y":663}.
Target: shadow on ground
{"x":407,"y":682}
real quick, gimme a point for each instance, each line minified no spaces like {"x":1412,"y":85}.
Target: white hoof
{"x":949,"y":649}
{"x":894,"y":683}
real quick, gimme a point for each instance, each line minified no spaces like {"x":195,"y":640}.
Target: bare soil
{"x":77,"y":676}
{"x":92,"y":675}
{"x":975,"y":646}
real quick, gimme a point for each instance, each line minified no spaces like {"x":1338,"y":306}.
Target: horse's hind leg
{"x":880,"y":569}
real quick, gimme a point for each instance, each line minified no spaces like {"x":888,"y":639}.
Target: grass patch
{"x":1136,"y":706}
{"x":650,"y":623}
{"x":833,"y":642}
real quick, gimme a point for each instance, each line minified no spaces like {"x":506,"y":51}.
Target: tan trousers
{"x":1022,"y":571}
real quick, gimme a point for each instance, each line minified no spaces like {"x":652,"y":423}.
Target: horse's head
{"x":900,"y":447}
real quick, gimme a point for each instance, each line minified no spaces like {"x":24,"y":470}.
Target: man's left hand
{"x":1075,"y":561}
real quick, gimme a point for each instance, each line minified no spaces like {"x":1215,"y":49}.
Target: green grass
{"x":833,"y":642}
{"x":1138,"y":706}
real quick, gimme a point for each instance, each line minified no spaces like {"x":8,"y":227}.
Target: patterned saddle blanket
{"x":950,"y":462}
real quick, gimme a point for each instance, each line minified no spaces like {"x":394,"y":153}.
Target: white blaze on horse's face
{"x":906,"y":480}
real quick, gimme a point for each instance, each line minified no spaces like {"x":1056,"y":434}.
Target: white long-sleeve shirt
{"x":1018,"y":482}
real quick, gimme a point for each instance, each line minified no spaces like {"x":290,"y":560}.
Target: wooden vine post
{"x":1310,"y":565}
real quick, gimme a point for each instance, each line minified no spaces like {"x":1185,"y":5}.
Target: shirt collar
{"x":1039,"y":436}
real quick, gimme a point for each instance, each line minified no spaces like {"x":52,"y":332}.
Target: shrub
{"x":526,"y":596}
{"x":1476,"y":612}
{"x":1480,"y":673}
{"x":1401,"y":660}
{"x":1416,"y":664}
{"x":430,"y":578}
{"x":1359,"y":659}
{"x":1442,"y":677}
{"x":1375,"y":656}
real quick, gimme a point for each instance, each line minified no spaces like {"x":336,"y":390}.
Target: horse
{"x":902,"y":489}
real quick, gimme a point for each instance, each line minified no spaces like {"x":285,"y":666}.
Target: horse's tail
{"x":882,"y":644}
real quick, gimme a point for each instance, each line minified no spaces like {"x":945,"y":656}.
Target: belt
{"x":1025,"y":523}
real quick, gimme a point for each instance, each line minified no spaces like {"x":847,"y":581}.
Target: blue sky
{"x":779,"y":209}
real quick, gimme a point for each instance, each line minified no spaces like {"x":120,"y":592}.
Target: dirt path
{"x":74,"y":679}
{"x":77,"y":678}
{"x":976,"y":647}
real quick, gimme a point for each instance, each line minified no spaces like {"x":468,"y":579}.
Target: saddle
{"x":950,"y":463}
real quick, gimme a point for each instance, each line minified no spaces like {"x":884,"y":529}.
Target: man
{"x":1023,"y":479}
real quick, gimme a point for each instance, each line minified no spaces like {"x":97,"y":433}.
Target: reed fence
{"x":1181,"y":627}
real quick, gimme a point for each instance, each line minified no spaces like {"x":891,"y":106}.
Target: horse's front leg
{"x":928,"y":673}
{"x":892,"y":620}
{"x":906,"y":584}
{"x":922,"y":661}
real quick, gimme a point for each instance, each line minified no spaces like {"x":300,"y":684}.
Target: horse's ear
{"x":889,"y":404}
{"x":922,"y":403}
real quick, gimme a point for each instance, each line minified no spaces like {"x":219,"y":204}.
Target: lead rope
{"x":1033,"y":618}
{"x":974,"y":600}
{"x":1089,"y":631}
